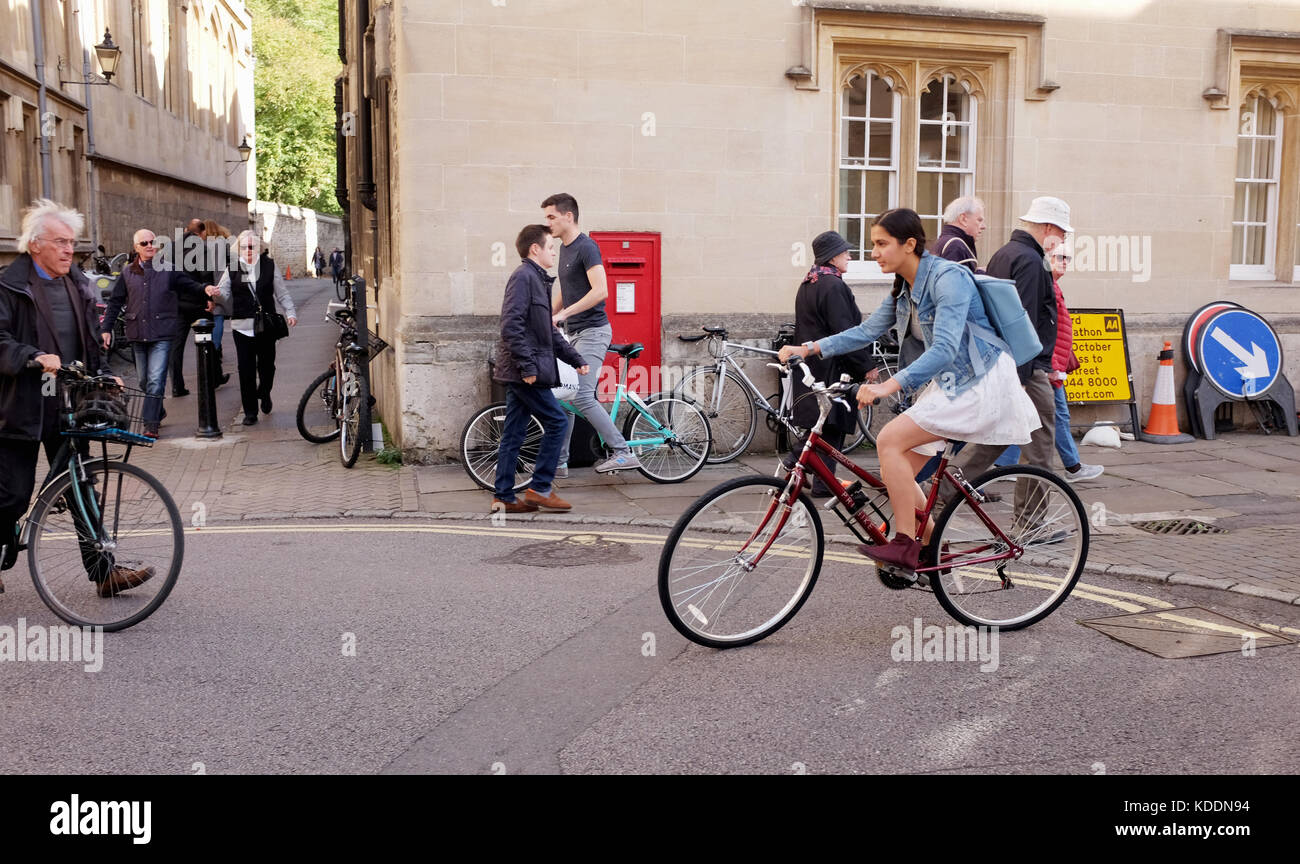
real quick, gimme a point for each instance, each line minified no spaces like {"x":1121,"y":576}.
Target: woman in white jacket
{"x":253,"y":284}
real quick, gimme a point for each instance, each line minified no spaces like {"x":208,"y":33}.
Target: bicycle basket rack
{"x":104,"y":411}
{"x":374,"y":345}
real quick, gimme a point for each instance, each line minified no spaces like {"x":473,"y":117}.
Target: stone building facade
{"x":153,"y":148}
{"x":738,"y":130}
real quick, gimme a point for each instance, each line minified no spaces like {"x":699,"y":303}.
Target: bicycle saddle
{"x":629,"y":350}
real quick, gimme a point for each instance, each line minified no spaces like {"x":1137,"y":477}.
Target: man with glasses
{"x":47,"y":314}
{"x":150,"y":297}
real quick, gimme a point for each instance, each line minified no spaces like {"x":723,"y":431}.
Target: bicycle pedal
{"x":896,"y":579}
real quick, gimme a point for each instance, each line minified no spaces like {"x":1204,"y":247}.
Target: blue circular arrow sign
{"x":1239,"y":353}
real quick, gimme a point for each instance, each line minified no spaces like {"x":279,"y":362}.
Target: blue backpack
{"x":1008,"y":316}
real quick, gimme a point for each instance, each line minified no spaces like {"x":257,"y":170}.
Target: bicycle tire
{"x":481,"y":439}
{"x":354,"y":393}
{"x":734,"y":423}
{"x":752,"y":608}
{"x":1040,"y":579}
{"x":340,"y":290}
{"x":687,"y":448}
{"x":56,"y":562}
{"x":312,"y":396}
{"x":120,"y":345}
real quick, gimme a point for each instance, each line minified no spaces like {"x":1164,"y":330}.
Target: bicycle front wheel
{"x":673,"y":438}
{"x":739,"y":564}
{"x":1034,"y":509}
{"x":318,"y":409}
{"x":130,"y":541}
{"x":481,"y":440}
{"x":731,"y":413}
{"x":353,"y":394}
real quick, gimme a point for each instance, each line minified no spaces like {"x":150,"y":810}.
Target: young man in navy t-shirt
{"x":581,"y":303}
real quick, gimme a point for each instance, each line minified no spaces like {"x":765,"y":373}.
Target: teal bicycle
{"x":670,"y":436}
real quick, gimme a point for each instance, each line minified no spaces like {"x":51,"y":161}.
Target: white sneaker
{"x":561,"y":472}
{"x":1085,"y":472}
{"x":619,"y":462}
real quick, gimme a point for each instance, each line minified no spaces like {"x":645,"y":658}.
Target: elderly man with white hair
{"x":47,"y":315}
{"x":150,"y":296}
{"x":963,"y":223}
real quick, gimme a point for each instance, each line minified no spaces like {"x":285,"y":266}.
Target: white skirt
{"x":994,"y":410}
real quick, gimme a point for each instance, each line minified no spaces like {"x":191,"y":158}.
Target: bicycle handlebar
{"x":692,"y":338}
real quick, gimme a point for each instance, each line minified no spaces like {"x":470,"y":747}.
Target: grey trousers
{"x":593,"y":345}
{"x":975,"y":459}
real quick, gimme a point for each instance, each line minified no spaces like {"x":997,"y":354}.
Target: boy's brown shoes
{"x":546,"y":502}
{"x":513,"y":506}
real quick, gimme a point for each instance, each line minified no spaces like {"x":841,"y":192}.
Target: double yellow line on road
{"x":1124,"y":601}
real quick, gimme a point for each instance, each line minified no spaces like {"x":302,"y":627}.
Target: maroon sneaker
{"x":902,"y":552}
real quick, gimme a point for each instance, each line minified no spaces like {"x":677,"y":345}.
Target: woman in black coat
{"x":823,"y":306}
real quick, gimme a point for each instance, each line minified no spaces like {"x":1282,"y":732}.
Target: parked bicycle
{"x":104,"y":539}
{"x":733,"y":408}
{"x":669,"y":436}
{"x":330,"y":408}
{"x":103,"y":275}
{"x":1006,"y":549}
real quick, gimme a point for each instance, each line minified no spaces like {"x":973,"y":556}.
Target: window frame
{"x":1268,"y":271}
{"x":909,"y":79}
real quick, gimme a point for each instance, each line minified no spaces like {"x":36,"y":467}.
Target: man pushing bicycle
{"x":47,"y":315}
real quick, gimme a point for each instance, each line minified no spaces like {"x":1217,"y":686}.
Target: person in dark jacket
{"x":253,"y":283}
{"x":1023,"y":260}
{"x":150,"y":297}
{"x":824,"y":305}
{"x":526,"y":363}
{"x":190,"y":258}
{"x":963,"y":223}
{"x":47,"y":315}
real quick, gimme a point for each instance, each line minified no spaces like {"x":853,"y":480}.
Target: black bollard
{"x":208,"y":368}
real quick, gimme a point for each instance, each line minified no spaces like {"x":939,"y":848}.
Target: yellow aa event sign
{"x":1100,"y":345}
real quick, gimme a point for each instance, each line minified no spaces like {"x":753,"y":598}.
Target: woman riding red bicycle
{"x":973,"y":394}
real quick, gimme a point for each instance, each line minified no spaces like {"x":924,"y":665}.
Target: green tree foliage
{"x":296,"y":43}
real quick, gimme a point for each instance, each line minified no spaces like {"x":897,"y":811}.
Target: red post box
{"x":631,"y":261}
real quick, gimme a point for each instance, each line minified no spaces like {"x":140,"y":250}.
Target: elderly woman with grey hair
{"x":253,"y":285}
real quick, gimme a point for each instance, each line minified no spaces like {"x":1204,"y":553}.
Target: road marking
{"x":1125,"y":601}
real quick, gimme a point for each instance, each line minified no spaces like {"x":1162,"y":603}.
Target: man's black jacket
{"x":529,"y":341}
{"x":1022,"y":260}
{"x":21,"y":402}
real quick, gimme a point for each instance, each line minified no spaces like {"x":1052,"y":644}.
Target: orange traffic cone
{"x":1162,"y":425}
{"x":288,"y":272}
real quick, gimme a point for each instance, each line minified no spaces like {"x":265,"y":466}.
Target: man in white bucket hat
{"x":1024,"y":260}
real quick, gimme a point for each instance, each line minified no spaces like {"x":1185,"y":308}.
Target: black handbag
{"x":268,"y":322}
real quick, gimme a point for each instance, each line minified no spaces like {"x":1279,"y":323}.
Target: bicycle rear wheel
{"x":709,"y":587}
{"x":735,"y":419}
{"x":1036,"y":510}
{"x":135,"y":527}
{"x":481,"y":440}
{"x":685,"y":435}
{"x":353,"y":394}
{"x":318,"y":409}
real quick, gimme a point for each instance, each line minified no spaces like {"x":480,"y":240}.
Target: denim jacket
{"x":958,"y":336}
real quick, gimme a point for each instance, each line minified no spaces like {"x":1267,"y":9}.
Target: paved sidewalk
{"x":1246,"y":483}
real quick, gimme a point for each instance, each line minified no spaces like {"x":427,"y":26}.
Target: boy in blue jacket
{"x":526,"y":363}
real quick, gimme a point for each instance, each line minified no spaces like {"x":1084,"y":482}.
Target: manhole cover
{"x":575,"y":550}
{"x":1178,"y":526}
{"x":1191,"y":632}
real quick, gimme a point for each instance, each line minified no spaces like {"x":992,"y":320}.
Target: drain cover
{"x":571,"y":551}
{"x":1191,"y":632}
{"x":1179,"y":526}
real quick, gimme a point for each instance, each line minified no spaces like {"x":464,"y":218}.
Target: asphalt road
{"x":543,"y":648}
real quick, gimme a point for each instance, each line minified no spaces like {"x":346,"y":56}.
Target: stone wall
{"x":293,"y":233}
